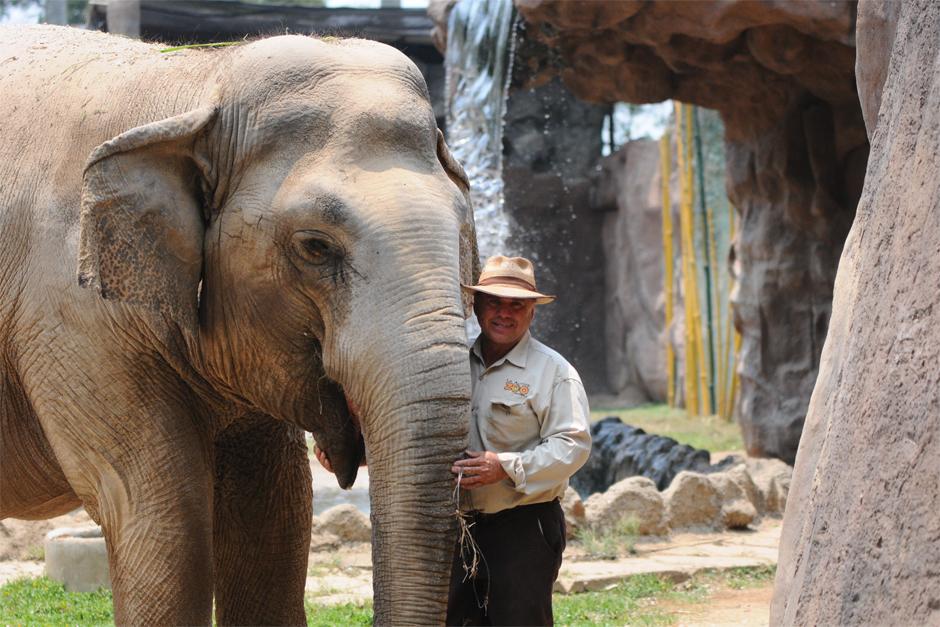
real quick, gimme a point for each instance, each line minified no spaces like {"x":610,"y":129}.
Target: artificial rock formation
{"x":551,"y":146}
{"x":861,"y":535}
{"x":782,"y":76}
{"x":630,"y":192}
{"x":796,"y":152}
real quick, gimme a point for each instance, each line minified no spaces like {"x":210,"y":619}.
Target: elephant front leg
{"x":263,"y":514}
{"x":155,"y":516}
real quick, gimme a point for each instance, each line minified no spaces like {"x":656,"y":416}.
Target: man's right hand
{"x":479,"y":468}
{"x":322,"y":458}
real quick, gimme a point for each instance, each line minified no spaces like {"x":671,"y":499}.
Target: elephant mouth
{"x":343,"y":443}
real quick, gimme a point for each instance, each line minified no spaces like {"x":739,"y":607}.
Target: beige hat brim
{"x":508,"y":291}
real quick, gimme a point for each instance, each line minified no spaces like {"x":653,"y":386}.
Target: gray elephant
{"x":202,"y":255}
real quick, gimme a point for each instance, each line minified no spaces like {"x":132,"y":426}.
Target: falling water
{"x":479,"y":58}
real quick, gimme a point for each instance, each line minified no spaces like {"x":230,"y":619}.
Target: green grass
{"x":321,"y":568}
{"x":218,"y":44}
{"x":43,"y":601}
{"x":635,"y":600}
{"x":625,"y":602}
{"x":631,"y":602}
{"x":741,"y":578}
{"x":707,"y":432}
{"x":611,"y":543}
{"x":329,"y":615}
{"x":35,"y":552}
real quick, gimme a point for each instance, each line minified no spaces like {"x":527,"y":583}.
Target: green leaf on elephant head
{"x":219,"y":44}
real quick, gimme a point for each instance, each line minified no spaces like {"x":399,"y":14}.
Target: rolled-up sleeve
{"x":565,"y":442}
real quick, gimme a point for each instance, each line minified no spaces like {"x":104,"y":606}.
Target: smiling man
{"x":528,"y":434}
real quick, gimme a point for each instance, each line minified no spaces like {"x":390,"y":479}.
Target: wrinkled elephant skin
{"x":206,"y":253}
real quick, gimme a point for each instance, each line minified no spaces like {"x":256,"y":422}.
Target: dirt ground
{"x":750,"y":607}
{"x":22,"y":540}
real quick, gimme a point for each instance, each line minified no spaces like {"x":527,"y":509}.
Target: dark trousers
{"x":521,"y":550}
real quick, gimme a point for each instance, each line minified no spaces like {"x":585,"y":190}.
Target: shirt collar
{"x":517,"y":356}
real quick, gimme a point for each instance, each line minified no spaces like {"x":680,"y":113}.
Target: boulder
{"x":634,"y":497}
{"x":737,"y":496}
{"x":772,"y":480}
{"x":345,"y":522}
{"x":692,"y":501}
{"x":859,"y":543}
{"x":573,"y":507}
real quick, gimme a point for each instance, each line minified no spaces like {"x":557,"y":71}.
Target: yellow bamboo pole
{"x":665,"y":174}
{"x":692,"y":297}
{"x":691,"y":399}
{"x":693,"y":349}
{"x":734,"y":377}
{"x":726,"y":367}
{"x":700,"y":342}
{"x":720,"y":370}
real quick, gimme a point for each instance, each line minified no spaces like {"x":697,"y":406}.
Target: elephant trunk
{"x":413,"y":513}
{"x":415,"y":413}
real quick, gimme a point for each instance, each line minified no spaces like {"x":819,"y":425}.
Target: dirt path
{"x":750,"y":607}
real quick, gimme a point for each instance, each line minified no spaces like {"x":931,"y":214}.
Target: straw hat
{"x":509,"y":277}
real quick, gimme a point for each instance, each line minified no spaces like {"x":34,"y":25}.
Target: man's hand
{"x":479,"y":469}
{"x":322,"y":458}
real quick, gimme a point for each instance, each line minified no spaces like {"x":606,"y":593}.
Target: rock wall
{"x":796,"y":195}
{"x":861,"y":536}
{"x":782,"y":76}
{"x":630,"y":191}
{"x":551,"y":146}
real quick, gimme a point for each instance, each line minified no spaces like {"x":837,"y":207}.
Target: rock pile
{"x":728,"y":499}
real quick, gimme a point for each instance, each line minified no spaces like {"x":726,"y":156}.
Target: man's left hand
{"x":479,"y":469}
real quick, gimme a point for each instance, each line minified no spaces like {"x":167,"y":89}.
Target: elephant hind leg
{"x":263,"y":513}
{"x":32,"y":485}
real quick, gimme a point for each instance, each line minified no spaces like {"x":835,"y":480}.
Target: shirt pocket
{"x":512,"y":425}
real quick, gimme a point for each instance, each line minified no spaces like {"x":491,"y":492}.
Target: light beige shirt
{"x":530,"y":408}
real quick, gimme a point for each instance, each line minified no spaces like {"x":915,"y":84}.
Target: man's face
{"x":503,"y":321}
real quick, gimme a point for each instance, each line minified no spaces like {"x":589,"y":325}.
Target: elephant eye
{"x":317,"y":251}
{"x":317,"y":248}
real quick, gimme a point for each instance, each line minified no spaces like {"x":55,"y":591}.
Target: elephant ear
{"x":469,"y":255}
{"x":142,"y":217}
{"x":454,"y":170}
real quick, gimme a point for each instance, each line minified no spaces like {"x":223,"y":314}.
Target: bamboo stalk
{"x":691,"y":396}
{"x":665,"y":174}
{"x":707,"y":259}
{"x":703,"y":371}
{"x":734,"y":377}
{"x":721,"y":366}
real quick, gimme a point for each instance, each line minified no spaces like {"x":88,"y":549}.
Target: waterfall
{"x":478,"y":65}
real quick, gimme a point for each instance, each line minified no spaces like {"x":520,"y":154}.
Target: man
{"x":528,"y":434}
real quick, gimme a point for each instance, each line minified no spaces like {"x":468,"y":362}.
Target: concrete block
{"x":78,"y":558}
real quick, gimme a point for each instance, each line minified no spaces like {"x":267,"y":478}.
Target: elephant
{"x":205,"y":254}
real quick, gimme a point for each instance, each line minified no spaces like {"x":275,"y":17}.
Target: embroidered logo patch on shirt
{"x":516,"y":388}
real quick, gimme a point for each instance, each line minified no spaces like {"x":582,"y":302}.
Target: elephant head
{"x":304,"y":230}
